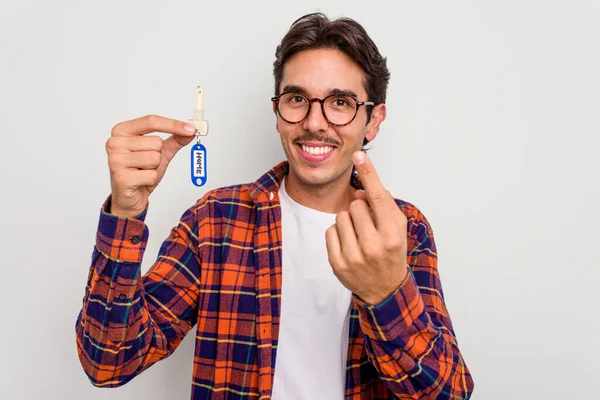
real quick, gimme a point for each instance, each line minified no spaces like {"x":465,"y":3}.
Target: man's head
{"x":318,"y":58}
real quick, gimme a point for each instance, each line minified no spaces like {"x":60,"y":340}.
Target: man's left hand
{"x":367,"y":243}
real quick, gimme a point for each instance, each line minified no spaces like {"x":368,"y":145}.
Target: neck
{"x":331,"y":198}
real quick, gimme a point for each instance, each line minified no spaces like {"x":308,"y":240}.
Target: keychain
{"x":198,"y":153}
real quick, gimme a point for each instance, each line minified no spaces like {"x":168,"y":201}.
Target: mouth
{"x":315,"y":151}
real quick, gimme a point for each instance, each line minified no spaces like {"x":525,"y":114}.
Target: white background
{"x":492,"y":131}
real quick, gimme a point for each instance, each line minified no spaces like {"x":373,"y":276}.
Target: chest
{"x":239,"y":308}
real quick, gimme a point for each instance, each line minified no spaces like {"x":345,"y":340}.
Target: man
{"x":302,"y":286}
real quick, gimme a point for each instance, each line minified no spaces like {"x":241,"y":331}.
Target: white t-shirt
{"x":315,"y":310}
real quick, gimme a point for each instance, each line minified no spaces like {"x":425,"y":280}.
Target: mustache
{"x":313,"y":138}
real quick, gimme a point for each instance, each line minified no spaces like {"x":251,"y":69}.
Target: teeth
{"x":317,"y":150}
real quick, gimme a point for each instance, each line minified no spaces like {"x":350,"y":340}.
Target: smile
{"x":315,"y":152}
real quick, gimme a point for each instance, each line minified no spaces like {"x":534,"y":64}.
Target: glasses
{"x":338,"y":109}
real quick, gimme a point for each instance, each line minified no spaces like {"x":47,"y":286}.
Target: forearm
{"x":116,"y":338}
{"x":414,"y":357}
{"x":129,"y":321}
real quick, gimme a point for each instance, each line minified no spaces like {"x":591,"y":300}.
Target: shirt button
{"x":135,"y":239}
{"x":122,"y":296}
{"x":271,"y":195}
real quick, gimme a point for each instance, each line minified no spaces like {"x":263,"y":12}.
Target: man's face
{"x":320,"y":153}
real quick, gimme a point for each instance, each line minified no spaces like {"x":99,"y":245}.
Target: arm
{"x":409,"y":337}
{"x":128,"y":321}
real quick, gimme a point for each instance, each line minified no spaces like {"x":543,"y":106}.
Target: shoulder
{"x":418,"y":227}
{"x":240,"y":192}
{"x":409,"y":209}
{"x":225,"y":198}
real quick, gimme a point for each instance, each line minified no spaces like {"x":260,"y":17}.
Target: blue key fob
{"x":198,"y":164}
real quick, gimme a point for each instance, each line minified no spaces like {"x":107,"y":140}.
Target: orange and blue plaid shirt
{"x":220,"y":269}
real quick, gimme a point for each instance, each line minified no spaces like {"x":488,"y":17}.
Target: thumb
{"x":173,"y":144}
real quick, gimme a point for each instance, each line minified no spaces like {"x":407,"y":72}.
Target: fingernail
{"x":190,"y":128}
{"x":359,"y":157}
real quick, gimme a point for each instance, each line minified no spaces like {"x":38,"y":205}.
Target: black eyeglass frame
{"x":322,"y":101}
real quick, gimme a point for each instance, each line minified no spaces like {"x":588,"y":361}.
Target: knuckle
{"x":155,"y":159}
{"x":356,"y":205}
{"x":111,"y":145}
{"x":116,"y":129}
{"x":373,"y":251}
{"x":370,"y":253}
{"x":112,"y":163}
{"x":378,"y":196}
{"x":392,"y":245}
{"x":333,"y":262}
{"x":337,"y":265}
{"x":151,"y":120}
{"x":342,"y":217}
{"x":118,"y":179}
{"x":157,"y":142}
{"x":153,"y":176}
{"x":355,"y":260}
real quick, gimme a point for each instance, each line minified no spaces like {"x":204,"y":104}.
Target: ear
{"x":276,"y":116}
{"x":377,"y":117}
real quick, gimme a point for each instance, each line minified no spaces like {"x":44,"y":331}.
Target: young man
{"x":302,"y":285}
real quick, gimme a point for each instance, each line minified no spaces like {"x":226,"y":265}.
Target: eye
{"x":341,"y":102}
{"x":296,"y":99}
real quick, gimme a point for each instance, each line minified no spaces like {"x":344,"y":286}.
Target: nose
{"x":315,"y":120}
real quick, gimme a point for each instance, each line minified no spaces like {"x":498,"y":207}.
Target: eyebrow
{"x":301,"y":90}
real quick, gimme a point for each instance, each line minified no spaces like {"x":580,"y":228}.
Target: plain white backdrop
{"x":492,"y":131}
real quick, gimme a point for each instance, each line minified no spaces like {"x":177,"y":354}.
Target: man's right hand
{"x":137,"y":163}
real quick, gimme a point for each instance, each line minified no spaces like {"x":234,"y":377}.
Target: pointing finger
{"x":153,"y":123}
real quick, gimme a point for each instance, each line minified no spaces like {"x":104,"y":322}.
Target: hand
{"x":367,"y":247}
{"x":137,"y":163}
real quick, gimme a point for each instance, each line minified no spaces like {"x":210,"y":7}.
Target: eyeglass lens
{"x":338,"y":109}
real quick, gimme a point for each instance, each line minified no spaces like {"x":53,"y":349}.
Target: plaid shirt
{"x":220,"y":269}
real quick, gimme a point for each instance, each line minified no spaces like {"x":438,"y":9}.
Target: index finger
{"x":153,"y":123}
{"x":378,"y":197}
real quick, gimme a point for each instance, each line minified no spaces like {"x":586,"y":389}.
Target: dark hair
{"x":314,"y":31}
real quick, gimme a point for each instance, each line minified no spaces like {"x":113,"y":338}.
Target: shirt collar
{"x":262,"y":189}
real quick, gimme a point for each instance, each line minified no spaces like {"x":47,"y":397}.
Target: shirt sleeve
{"x":409,"y":337}
{"x":129,"y":321}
